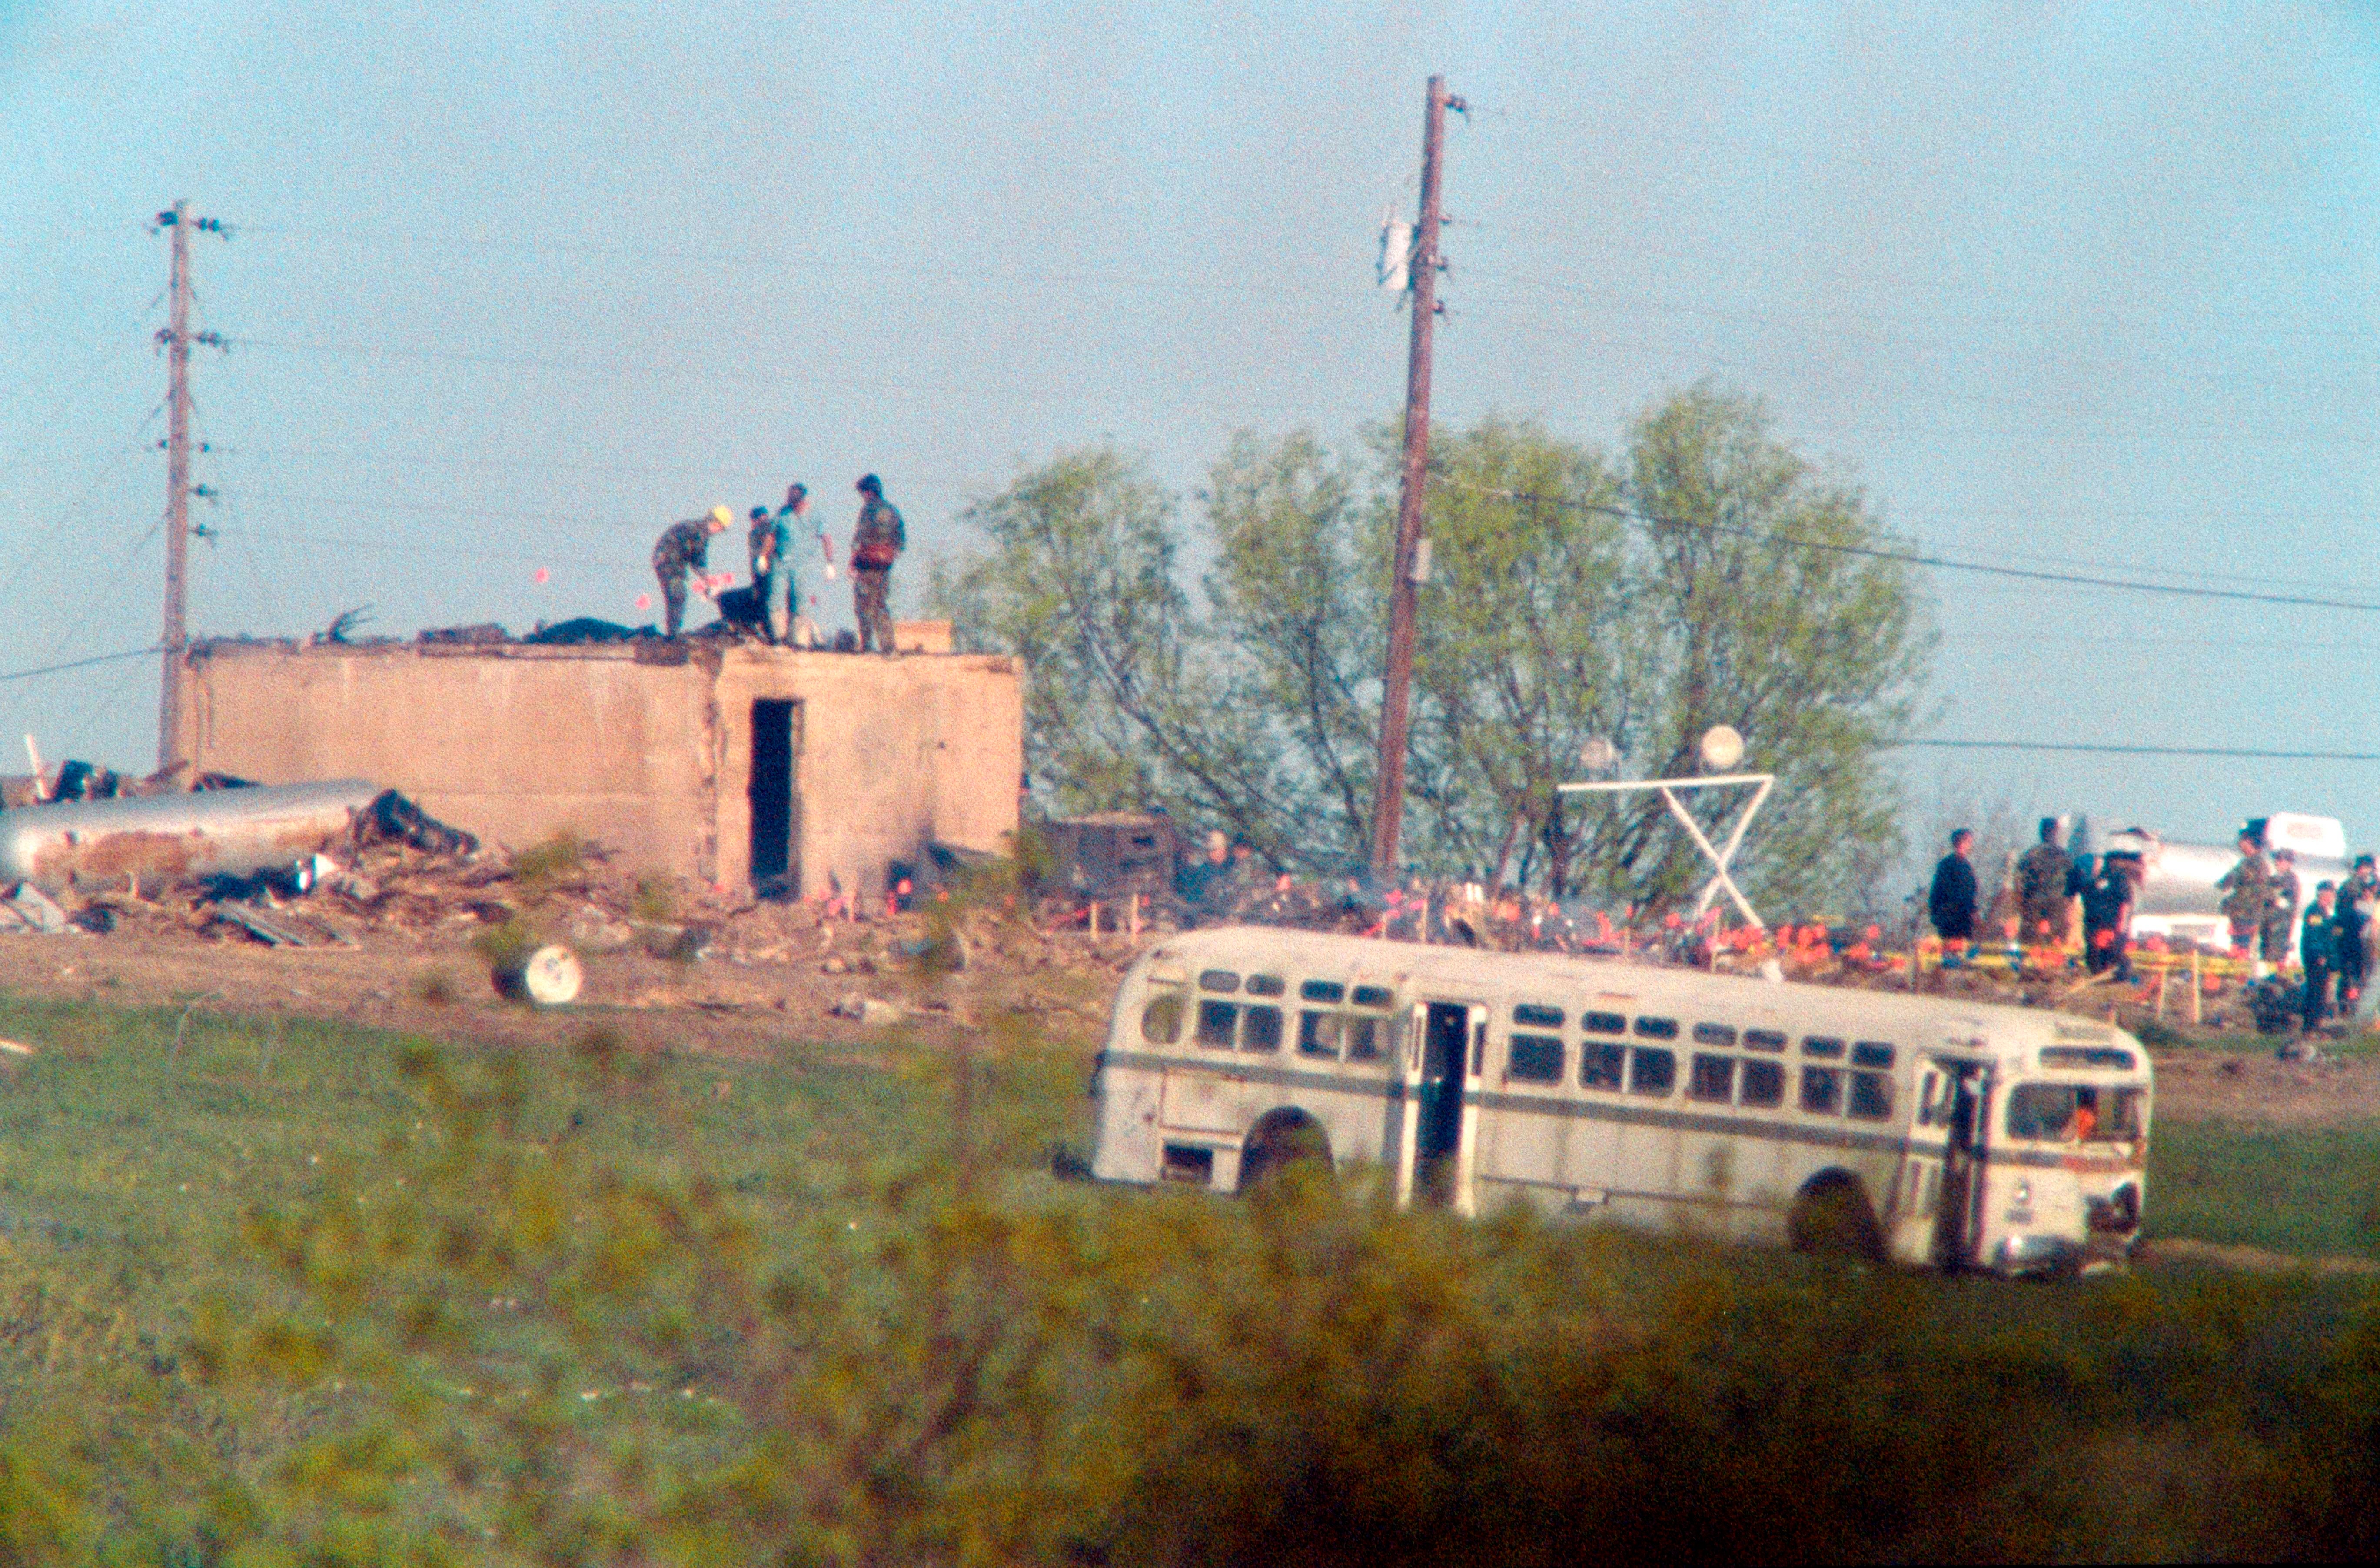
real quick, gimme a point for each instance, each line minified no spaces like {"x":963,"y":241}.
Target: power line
{"x":2112,"y":749}
{"x":83,"y":663}
{"x":1943,"y":563}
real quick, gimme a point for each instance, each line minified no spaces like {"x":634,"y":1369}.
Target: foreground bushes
{"x":512,"y":1340}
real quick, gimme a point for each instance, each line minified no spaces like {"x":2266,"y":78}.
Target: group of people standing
{"x":877,"y":541}
{"x":2047,"y":885}
{"x":2259,"y":900}
{"x":2261,"y":896}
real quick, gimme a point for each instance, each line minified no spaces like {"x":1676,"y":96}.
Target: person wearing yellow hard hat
{"x":682,"y":548}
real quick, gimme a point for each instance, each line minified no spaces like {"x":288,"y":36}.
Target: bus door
{"x":1443,"y":1048}
{"x":1964,"y":1113}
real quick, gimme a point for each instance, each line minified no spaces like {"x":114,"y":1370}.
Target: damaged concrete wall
{"x":648,"y":748}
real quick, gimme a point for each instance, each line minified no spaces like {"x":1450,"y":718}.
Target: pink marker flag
{"x":644,"y":602}
{"x":542,"y":574}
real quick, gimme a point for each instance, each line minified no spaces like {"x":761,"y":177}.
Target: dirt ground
{"x":2200,"y":1084}
{"x":767,"y":973}
{"x":681,"y":967}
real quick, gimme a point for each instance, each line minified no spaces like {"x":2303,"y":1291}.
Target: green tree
{"x":1524,"y":649}
{"x":1710,"y":576}
{"x":1770,"y":611}
{"x":1297,"y":589}
{"x":1083,"y":582}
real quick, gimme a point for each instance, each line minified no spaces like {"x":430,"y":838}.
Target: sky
{"x":2078,"y":288}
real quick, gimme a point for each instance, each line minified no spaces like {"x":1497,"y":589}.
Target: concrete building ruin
{"x":734,"y":763}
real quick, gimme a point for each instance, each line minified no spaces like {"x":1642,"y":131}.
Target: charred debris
{"x":93,"y":848}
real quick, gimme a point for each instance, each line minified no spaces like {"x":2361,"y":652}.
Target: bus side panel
{"x":1760,"y":1186}
{"x":1648,"y":1167}
{"x":1129,"y":1145}
{"x":1358,"y":1119}
{"x":1527,"y":1152}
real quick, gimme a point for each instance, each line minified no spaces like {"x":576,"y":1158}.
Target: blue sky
{"x":2080,"y":287}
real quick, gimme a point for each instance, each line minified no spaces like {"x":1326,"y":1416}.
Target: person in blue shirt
{"x":772,"y":564}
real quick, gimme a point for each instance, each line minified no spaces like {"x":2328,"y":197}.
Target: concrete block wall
{"x":652,"y":757}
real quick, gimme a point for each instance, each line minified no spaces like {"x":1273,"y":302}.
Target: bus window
{"x":2040,"y":1110}
{"x":1822,"y":1090}
{"x":1763,"y":1039}
{"x":1658,"y":1028}
{"x":1651,"y":1071}
{"x":1364,"y":1039}
{"x":1871,"y":1099}
{"x":1711,"y":1078}
{"x":1260,"y":1030}
{"x":1160,"y":1021}
{"x":1537,"y":1059}
{"x":1529,"y":1013}
{"x":1599,"y":1066}
{"x":1265,"y":985}
{"x":1216,"y":1021}
{"x":2120,"y":1115}
{"x":2087,"y":1056}
{"x":1764,"y":1084}
{"x":1714,"y":1034}
{"x":1603,"y":1023}
{"x":1323,"y":990}
{"x":2074,"y":1112}
{"x":1819,"y":1045}
{"x":1318,"y":1033}
{"x":1373,"y":996}
{"x":1219,"y":980}
{"x":1866,"y":1053}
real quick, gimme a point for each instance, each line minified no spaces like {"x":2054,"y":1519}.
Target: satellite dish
{"x":1599,"y":755}
{"x":1722,"y":748}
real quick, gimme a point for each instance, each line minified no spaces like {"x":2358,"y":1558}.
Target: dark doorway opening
{"x":1440,"y":1132}
{"x":1959,"y":1223}
{"x":775,"y":737}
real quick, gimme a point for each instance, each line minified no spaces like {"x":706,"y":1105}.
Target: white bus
{"x":1932,"y":1132}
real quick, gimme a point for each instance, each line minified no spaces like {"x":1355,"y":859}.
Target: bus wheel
{"x":1287,"y":1148}
{"x":1833,"y":1217}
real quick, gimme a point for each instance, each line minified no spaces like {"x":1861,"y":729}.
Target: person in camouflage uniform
{"x":2359,"y":904}
{"x":684,"y":548}
{"x":876,"y":542}
{"x":2247,"y":890}
{"x":2042,"y":875}
{"x":2281,"y":914}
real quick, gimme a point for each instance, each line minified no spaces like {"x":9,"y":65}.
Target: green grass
{"x":2309,"y":1191}
{"x":303,"y":1291}
{"x":139,"y":1150}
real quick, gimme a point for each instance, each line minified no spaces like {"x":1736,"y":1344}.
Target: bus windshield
{"x":2075,"y":1113}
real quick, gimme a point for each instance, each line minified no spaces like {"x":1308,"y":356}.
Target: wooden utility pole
{"x":1388,"y":798}
{"x":178,"y":339}
{"x":176,"y":639}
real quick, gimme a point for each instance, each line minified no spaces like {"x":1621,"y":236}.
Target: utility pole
{"x":1412,"y":557}
{"x":178,"y":339}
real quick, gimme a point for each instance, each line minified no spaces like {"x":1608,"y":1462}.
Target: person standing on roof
{"x":2042,"y":890}
{"x":684,"y":548}
{"x":772,"y":564}
{"x":876,"y":542}
{"x":1951,"y":901}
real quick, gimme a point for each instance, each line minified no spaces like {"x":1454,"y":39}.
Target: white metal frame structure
{"x":1720,"y":858}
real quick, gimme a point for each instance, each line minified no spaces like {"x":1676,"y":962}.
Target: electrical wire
{"x":2117,"y":749}
{"x":83,"y":663}
{"x":1942,"y":562}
